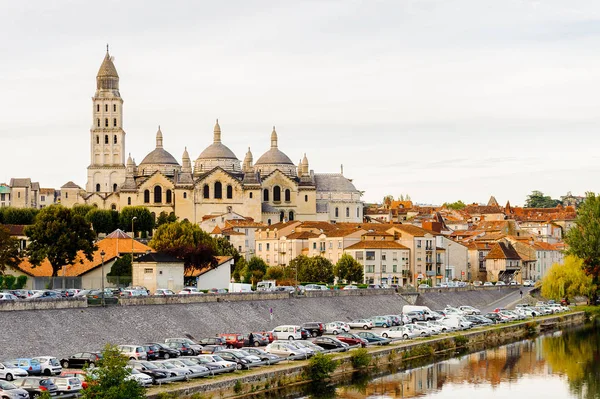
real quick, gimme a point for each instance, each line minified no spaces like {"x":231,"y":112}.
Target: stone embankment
{"x":479,"y":298}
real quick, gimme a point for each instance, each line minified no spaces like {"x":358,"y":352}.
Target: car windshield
{"x":187,"y":362}
{"x":54,"y":362}
{"x":7,"y":386}
{"x":149,"y":365}
{"x":45,"y":382}
{"x":168,"y":365}
{"x":218,"y":358}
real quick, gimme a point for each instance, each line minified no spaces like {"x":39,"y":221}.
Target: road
{"x":508,"y":301}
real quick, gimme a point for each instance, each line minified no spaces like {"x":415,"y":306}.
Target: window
{"x":337,"y":212}
{"x":98,"y":122}
{"x":205,"y":191}
{"x":347,"y":212}
{"x":157,"y":194}
{"x":106,"y":107}
{"x":115,"y":125}
{"x":276,"y":194}
{"x":2,"y":197}
{"x":97,"y":188}
{"x":314,"y":245}
{"x":339,"y":245}
{"x":330,"y":244}
{"x":370,"y":268}
{"x":106,"y":123}
{"x":268,"y":222}
{"x":357,"y":212}
{"x":113,"y":207}
{"x":42,"y":198}
{"x":281,"y":216}
{"x":114,"y":187}
{"x":114,"y":107}
{"x":418,"y":243}
{"x":169,"y":196}
{"x":128,"y":200}
{"x":97,"y":107}
{"x":184,"y":195}
{"x":394,"y":268}
{"x":383,"y":269}
{"x":148,"y":270}
{"x":106,"y":139}
{"x":218,"y":190}
{"x":268,"y":246}
{"x":358,"y":255}
{"x":66,"y":195}
{"x":370,"y":255}
{"x":288,"y":195}
{"x":291,"y":216}
{"x":265,"y":195}
{"x":306,"y":198}
{"x":147,"y":197}
{"x":383,"y":256}
{"x":229,"y":192}
{"x":260,"y":247}
{"x":250,"y":195}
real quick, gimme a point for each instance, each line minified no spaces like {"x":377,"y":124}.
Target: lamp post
{"x":102,"y":253}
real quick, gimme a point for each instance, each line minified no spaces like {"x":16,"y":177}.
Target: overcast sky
{"x":442,"y":100}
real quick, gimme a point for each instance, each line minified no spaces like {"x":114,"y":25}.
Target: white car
{"x":284,"y":349}
{"x":143,"y":379}
{"x":488,"y":284}
{"x":133,"y":352}
{"x":435,"y":328}
{"x":219,"y":360}
{"x":190,"y":291}
{"x":163,"y":291}
{"x":11,"y":391}
{"x":50,"y":365}
{"x":187,"y":364}
{"x":403,"y":332}
{"x":417,"y":331}
{"x":528,"y":283}
{"x":469,"y":310}
{"x":336,"y":327}
{"x":500,"y":283}
{"x":9,"y":372}
{"x":365,"y":324}
{"x":68,"y":384}
{"x":5,"y":296}
{"x":288,"y":332}
{"x":350,"y":287}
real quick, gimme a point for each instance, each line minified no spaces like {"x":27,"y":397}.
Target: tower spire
{"x":217,"y":133}
{"x":273,"y":138}
{"x":159,"y":138}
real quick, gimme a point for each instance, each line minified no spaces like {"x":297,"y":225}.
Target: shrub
{"x":530,"y":329}
{"x":21,"y":281}
{"x":461,"y":340}
{"x":360,"y":358}
{"x":320,"y":367}
{"x":237,"y":387}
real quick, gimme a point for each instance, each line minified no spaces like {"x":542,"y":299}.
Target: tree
{"x":110,"y":379}
{"x":255,"y":270}
{"x":144,"y":222}
{"x":121,"y":271}
{"x":583,"y":239}
{"x":537,"y":199}
{"x":102,"y":221}
{"x":9,"y":250}
{"x":567,"y":280}
{"x":275,"y":273}
{"x":315,"y":269}
{"x":165,"y":218}
{"x":349,"y":269}
{"x":185,"y":241}
{"x":83,"y":209}
{"x":457,"y":206}
{"x":58,"y":234}
{"x":298,"y":265}
{"x":23,"y":216}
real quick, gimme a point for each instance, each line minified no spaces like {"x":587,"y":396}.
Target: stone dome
{"x":274,"y":156}
{"x":159,"y":156}
{"x":217,"y":151}
{"x":275,"y":159}
{"x":159,"y":159}
{"x":217,"y":155}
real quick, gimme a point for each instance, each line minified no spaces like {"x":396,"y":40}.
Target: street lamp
{"x":102,"y":253}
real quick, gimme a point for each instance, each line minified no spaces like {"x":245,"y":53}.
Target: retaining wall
{"x":478,"y":297}
{"x":42,"y":304}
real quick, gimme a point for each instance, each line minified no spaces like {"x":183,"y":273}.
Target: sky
{"x":441,"y":100}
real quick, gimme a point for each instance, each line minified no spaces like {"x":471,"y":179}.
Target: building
{"x":423,"y":253}
{"x":212,"y":277}
{"x":158,"y":270}
{"x":4,"y":195}
{"x":503,"y":263}
{"x":271,"y":190}
{"x":24,"y":193}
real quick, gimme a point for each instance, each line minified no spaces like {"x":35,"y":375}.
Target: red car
{"x":352,"y":339}
{"x":267,"y":334}
{"x":233,"y":341}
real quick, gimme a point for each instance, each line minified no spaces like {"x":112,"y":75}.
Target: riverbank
{"x":274,"y":377}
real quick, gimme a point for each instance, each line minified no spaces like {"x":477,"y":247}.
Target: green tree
{"x":103,"y":221}
{"x":144,"y":222}
{"x":9,"y":250}
{"x":110,"y":379}
{"x":59,"y":235}
{"x":185,"y":241}
{"x":275,"y":273}
{"x":567,"y":280}
{"x":165,"y":218}
{"x":583,"y":239}
{"x":121,"y":271}
{"x":83,"y":209}
{"x":9,"y":282}
{"x":537,"y":199}
{"x":298,"y":265}
{"x":23,"y":216}
{"x":21,"y":281}
{"x":457,"y":206}
{"x":349,"y":269}
{"x":255,"y":270}
{"x":316,"y":269}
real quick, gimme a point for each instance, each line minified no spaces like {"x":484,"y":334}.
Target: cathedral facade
{"x":270,"y":190}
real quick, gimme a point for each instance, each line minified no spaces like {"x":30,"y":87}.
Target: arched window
{"x":147,"y":197}
{"x":106,"y":107}
{"x":115,"y":139}
{"x":113,"y":207}
{"x":291,"y":216}
{"x":229,"y":192}
{"x":115,"y":187}
{"x":268,"y":222}
{"x":306,"y":198}
{"x":288,"y":195}
{"x":97,"y":138}
{"x":106,"y":122}
{"x":97,"y":107}
{"x":218,"y":190}
{"x":128,"y":200}
{"x":169,"y":196}
{"x":157,"y":194}
{"x":281,"y":216}
{"x":98,"y":187}
{"x":98,"y":122}
{"x":265,"y":195}
{"x":347,"y":212}
{"x":106,"y":139}
{"x":337,"y":212}
{"x":114,"y":107}
{"x":205,"y":191}
{"x":115,"y":122}
{"x":250,"y":195}
{"x":276,"y":194}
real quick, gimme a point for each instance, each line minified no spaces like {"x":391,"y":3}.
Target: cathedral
{"x":272,"y":189}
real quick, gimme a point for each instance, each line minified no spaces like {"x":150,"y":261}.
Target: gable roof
{"x":24,"y":182}
{"x":158,"y":257}
{"x":333,"y":182}
{"x":503,"y":250}
{"x":221,"y":260}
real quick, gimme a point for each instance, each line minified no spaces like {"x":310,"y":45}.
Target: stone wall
{"x":188,"y":299}
{"x":479,"y":297}
{"x":42,"y":304}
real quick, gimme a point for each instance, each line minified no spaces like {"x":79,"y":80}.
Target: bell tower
{"x":106,"y":172}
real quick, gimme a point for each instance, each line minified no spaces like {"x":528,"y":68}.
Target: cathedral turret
{"x":159,"y":138}
{"x":107,"y":77}
{"x":273,"y":138}
{"x":187,"y":163}
{"x":304,"y":165}
{"x":248,"y":161}
{"x":217,"y":133}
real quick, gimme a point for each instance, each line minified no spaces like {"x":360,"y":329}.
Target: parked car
{"x":36,"y":385}
{"x":365,"y":324}
{"x":421,"y":286}
{"x":268,"y":334}
{"x":184,"y":348}
{"x":151,"y":351}
{"x":219,"y":360}
{"x":133,"y":352}
{"x":488,"y":284}
{"x":142,"y":379}
{"x":500,"y":283}
{"x":528,"y":283}
{"x":316,"y":329}
{"x":150,"y":369}
{"x":210,"y":365}
{"x":402,"y":332}
{"x":9,"y":371}
{"x":242,"y":361}
{"x":5,"y":296}
{"x":45,"y":294}
{"x":264,"y":356}
{"x":190,"y":291}
{"x":188,"y":364}
{"x":469,"y":310}
{"x":67,"y":384}
{"x":336,"y":327}
{"x":174,"y":371}
{"x":211,"y":349}
{"x":11,"y":391}
{"x":81,"y":359}
{"x":299,"y":345}
{"x":233,"y":341}
{"x":196,"y":346}
{"x":32,"y":366}
{"x":288,"y":332}
{"x":396,"y":320}
{"x":350,"y":287}
{"x":162,"y":351}
{"x":164,"y":292}
{"x":329,"y":343}
{"x":415,"y":316}
{"x":310,"y":345}
{"x":50,"y":365}
{"x":373,"y":339}
{"x":284,"y":349}
{"x":352,"y":339}
{"x":79,"y":374}
{"x":257,"y":340}
{"x":494,"y":317}
{"x":315,"y":287}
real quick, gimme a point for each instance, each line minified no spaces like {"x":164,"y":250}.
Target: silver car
{"x":68,"y":384}
{"x":10,"y":391}
{"x":9,"y":371}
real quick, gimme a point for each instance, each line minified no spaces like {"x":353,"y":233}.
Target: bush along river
{"x":562,"y":364}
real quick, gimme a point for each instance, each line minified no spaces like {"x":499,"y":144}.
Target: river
{"x":561,"y":365}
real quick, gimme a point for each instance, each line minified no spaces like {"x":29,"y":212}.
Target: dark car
{"x":493,"y":316}
{"x":210,"y":349}
{"x":264,"y":356}
{"x":36,"y":385}
{"x":330,"y":343}
{"x":373,"y":339}
{"x":352,"y":339}
{"x":268,"y":334}
{"x":183,"y":348}
{"x":162,"y":351}
{"x":236,"y":356}
{"x":212,"y":341}
{"x":151,"y":351}
{"x":304,"y":333}
{"x":257,"y":340}
{"x":81,"y":359}
{"x":316,"y":329}
{"x":202,"y":361}
{"x":152,"y":369}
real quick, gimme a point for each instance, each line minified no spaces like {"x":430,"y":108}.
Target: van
{"x":288,"y":332}
{"x":266,"y":285}
{"x":133,"y":352}
{"x":233,"y":341}
{"x":456,"y":322}
{"x":428,"y":313}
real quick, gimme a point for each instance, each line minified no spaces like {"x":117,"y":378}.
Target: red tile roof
{"x":503,"y":250}
{"x":377,"y":245}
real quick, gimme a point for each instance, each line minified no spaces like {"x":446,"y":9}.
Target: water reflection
{"x":562,"y":366}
